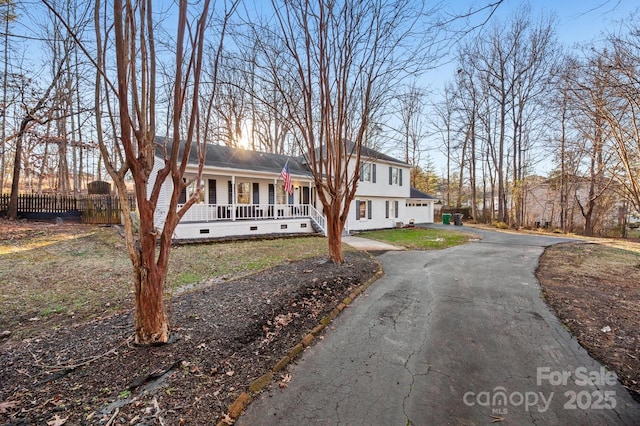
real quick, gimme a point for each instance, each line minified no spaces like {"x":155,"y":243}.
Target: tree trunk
{"x":3,"y":131}
{"x":12,"y":213}
{"x":334,"y":235}
{"x":152,"y":325}
{"x":472,"y":166}
{"x":588,"y":224}
{"x":151,"y":322}
{"x":461,"y":175}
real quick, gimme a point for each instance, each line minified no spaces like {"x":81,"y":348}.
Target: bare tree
{"x":444,"y":123}
{"x":534,"y":57}
{"x":468,"y":104}
{"x":6,"y":16}
{"x":622,"y":111}
{"x":135,"y":56}
{"x":509,"y":68}
{"x":343,"y":58}
{"x":411,"y":106}
{"x":232,"y":103}
{"x":265,"y":88}
{"x":32,"y":114}
{"x":589,"y":92}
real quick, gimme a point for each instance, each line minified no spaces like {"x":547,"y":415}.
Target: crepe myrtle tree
{"x":343,"y":59}
{"x":129,"y":42}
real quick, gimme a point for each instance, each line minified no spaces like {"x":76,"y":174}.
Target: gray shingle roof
{"x":372,"y":153}
{"x":365,"y":153}
{"x":243,"y":159}
{"x":237,"y":158}
{"x":416,"y":193}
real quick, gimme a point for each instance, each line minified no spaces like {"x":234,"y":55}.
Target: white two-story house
{"x":243,"y":195}
{"x":382,"y":193}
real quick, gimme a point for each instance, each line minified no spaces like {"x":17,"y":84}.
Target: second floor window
{"x":395,"y":176}
{"x":367,"y":172}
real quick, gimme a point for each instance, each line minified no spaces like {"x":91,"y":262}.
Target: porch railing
{"x":216,"y":212}
{"x":319,"y":221}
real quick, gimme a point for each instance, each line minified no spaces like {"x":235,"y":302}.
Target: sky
{"x":584,"y":20}
{"x":578,"y":22}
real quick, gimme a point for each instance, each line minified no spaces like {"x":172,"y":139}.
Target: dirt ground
{"x":224,"y":337}
{"x":595,"y":291}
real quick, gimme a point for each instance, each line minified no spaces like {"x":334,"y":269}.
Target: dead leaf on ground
{"x":57,"y":421}
{"x":7,"y":405}
{"x":285,"y":380}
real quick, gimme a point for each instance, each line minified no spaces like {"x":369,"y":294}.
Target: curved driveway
{"x":459,"y":336}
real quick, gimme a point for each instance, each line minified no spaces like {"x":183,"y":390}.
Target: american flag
{"x":286,"y":176}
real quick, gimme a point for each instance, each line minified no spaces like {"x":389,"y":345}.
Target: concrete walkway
{"x":369,"y":245}
{"x":452,"y":337}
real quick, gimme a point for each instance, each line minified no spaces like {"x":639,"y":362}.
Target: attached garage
{"x":420,"y":207}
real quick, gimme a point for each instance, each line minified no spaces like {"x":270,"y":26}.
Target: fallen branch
{"x":70,"y":367}
{"x":113,"y":417}
{"x":158,"y":411}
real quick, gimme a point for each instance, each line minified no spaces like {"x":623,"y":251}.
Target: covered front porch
{"x":207,"y":221}
{"x":241,"y":193}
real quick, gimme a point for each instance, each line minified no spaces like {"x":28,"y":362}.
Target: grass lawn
{"x":419,"y":238}
{"x":56,"y":276}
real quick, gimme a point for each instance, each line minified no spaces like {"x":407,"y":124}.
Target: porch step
{"x":316,"y":227}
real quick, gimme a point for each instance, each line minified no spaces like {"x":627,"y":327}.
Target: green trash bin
{"x":446,"y":218}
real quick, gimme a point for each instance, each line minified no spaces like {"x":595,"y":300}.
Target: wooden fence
{"x":96,"y":209}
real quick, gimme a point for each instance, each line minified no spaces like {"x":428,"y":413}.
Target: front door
{"x":305,"y":195}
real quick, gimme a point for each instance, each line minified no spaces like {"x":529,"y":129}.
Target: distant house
{"x":543,"y":205}
{"x":243,"y":195}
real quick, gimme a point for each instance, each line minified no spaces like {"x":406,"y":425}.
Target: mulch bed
{"x":224,"y":337}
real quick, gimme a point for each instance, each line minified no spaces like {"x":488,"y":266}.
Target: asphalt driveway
{"x":459,"y":336}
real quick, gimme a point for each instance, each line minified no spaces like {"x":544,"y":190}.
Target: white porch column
{"x":275,"y":198}
{"x":233,"y":197}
